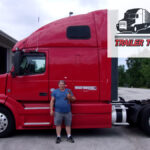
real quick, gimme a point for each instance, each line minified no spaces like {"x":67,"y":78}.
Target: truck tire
{"x":7,"y":123}
{"x":135,"y":29}
{"x":145,"y":26}
{"x":145,"y":120}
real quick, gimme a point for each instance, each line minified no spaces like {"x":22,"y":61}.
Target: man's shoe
{"x":58,"y":140}
{"x":70,"y":139}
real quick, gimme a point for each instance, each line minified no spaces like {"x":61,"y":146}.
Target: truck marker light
{"x":30,"y":51}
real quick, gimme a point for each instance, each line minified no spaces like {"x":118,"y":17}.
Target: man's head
{"x":62,"y":84}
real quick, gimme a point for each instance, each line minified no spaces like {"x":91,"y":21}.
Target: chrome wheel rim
{"x":135,"y":29}
{"x":3,"y":122}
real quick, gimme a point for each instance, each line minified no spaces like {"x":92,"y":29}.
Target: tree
{"x":122,"y":75}
{"x":145,"y":70}
{"x":138,"y":72}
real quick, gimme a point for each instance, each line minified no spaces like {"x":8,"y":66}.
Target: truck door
{"x":32,"y":83}
{"x":30,"y":87}
{"x":139,"y":17}
{"x":79,"y":68}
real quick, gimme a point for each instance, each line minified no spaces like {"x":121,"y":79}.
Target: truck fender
{"x":134,"y":113}
{"x":13,"y":106}
{"x":141,"y":112}
{"x":2,"y":101}
{"x":3,"y":98}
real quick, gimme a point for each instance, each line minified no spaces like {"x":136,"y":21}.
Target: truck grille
{"x":123,"y":25}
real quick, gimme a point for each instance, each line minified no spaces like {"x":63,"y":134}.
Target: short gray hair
{"x":61,"y":81}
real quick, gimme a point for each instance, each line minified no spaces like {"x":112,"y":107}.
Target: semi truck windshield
{"x":129,"y":16}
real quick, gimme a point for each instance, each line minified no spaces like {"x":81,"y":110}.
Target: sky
{"x":19,"y":18}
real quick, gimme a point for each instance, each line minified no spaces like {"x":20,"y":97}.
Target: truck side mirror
{"x":16,"y":62}
{"x":13,"y":74}
{"x":12,"y":71}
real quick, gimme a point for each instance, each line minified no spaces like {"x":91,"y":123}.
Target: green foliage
{"x":122,"y":75}
{"x":137,"y":74}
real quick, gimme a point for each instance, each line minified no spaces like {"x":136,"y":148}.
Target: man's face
{"x":61,"y":85}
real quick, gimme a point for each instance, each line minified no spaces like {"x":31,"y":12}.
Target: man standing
{"x":60,"y":99}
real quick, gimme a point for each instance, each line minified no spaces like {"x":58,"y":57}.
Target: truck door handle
{"x":43,"y":94}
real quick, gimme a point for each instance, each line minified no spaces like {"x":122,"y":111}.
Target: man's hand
{"x":70,"y":97}
{"x":51,"y":112}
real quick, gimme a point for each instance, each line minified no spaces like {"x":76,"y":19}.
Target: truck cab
{"x":73,"y":49}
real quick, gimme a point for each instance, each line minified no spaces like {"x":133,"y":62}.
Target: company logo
{"x":91,"y":88}
{"x":130,"y":33}
{"x":135,"y":21}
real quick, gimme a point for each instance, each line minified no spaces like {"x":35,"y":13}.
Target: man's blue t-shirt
{"x":62,"y":105}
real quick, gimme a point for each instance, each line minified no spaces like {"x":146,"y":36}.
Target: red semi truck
{"x":73,"y":49}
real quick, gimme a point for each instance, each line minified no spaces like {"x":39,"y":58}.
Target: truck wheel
{"x":7,"y":124}
{"x":145,"y":120}
{"x":135,"y":29}
{"x":145,"y":26}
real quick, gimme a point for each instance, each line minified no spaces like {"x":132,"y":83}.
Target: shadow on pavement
{"x":107,"y":132}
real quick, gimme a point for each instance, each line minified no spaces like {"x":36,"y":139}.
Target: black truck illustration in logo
{"x":135,"y":20}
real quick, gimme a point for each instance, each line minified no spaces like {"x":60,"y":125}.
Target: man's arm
{"x":52,"y":105}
